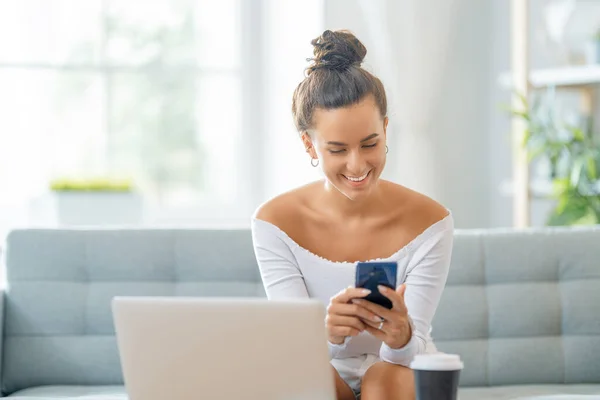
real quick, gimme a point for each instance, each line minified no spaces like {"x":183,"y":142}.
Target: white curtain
{"x":412,"y":44}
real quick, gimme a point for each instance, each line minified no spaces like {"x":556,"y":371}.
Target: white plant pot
{"x":88,"y":208}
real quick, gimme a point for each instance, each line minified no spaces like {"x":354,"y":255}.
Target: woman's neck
{"x":339,"y":206}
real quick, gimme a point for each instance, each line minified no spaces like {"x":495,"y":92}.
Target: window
{"x":147,"y":90}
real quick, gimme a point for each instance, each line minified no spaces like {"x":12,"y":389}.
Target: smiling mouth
{"x":359,"y":178}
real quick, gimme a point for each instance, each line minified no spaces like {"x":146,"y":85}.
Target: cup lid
{"x":437,"y":362}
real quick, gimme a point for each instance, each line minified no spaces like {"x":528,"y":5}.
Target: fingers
{"x":395,"y":296}
{"x":376,"y":332}
{"x":344,"y":321}
{"x":349,"y":314}
{"x":401,"y":290}
{"x":372,"y":324}
{"x":354,"y":310}
{"x":341,"y":326}
{"x":348,"y":294}
{"x":343,"y":331}
{"x":374,"y":308}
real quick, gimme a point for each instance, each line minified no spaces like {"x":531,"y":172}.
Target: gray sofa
{"x":521,"y":308}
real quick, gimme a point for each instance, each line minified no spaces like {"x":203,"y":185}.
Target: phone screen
{"x":371,"y":274}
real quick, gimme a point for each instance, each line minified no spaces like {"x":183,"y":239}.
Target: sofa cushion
{"x":531,"y":392}
{"x":58,"y":322}
{"x":521,"y":307}
{"x":72,"y":392}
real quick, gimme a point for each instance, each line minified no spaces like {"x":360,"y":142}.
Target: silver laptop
{"x":181,"y":348}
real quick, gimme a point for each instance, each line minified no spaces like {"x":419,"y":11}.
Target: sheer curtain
{"x":412,"y":41}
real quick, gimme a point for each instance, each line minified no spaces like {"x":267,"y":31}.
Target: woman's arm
{"x":425,"y":282}
{"x":279,"y":269}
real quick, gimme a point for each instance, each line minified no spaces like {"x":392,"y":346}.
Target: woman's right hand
{"x":344,"y":318}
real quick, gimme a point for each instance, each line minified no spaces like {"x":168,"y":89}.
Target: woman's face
{"x":350,"y":145}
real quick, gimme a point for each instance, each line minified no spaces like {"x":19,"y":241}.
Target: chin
{"x":354,"y":193}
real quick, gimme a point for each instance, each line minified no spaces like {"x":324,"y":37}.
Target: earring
{"x":386,"y":149}
{"x":312,"y":162}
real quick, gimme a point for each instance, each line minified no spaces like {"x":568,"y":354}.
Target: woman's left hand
{"x":395,"y":330}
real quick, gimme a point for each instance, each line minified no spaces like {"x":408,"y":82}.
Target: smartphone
{"x":371,"y":274}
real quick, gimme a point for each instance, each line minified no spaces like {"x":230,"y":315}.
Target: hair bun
{"x":336,"y":50}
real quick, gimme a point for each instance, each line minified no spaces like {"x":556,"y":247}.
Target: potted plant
{"x":96,"y":185}
{"x":571,"y":153}
{"x":91,"y":201}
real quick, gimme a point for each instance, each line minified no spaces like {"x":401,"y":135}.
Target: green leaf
{"x":576,"y":171}
{"x":522,"y":114}
{"x":526,"y":137}
{"x":523,"y":98}
{"x":562,"y":205}
{"x":560,"y":186}
{"x":536,"y":152}
{"x":573,"y":212}
{"x":588,"y":219}
{"x":578,"y":134}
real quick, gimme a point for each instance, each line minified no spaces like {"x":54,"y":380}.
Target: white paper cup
{"x":436,"y":376}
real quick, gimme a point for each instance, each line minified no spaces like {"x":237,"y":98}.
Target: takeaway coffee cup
{"x":436,"y":376}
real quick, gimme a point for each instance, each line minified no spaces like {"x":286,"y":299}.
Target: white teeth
{"x":353,"y":179}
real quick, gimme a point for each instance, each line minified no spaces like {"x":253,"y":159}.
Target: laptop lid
{"x":223,"y":348}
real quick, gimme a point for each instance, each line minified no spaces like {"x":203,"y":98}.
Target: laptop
{"x":184,"y":348}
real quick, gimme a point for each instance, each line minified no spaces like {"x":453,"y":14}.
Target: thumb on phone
{"x":401,"y":290}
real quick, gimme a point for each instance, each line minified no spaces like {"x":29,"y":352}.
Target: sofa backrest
{"x":519,"y":306}
{"x":58,"y":326}
{"x":523,"y":307}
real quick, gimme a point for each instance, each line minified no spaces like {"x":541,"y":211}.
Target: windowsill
{"x":81,"y":210}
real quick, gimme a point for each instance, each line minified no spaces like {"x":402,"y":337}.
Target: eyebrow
{"x":371,"y":136}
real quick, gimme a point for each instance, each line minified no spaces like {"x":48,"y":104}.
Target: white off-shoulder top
{"x":291,"y":271}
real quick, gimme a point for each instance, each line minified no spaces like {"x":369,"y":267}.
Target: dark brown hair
{"x":335,"y":78}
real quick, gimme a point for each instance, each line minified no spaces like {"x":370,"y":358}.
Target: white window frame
{"x":249,"y":148}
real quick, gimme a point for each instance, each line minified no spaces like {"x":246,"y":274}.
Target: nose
{"x":356,"y":163}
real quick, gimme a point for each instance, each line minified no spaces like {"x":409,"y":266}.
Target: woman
{"x":307,"y":241}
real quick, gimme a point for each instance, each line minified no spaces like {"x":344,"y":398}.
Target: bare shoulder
{"x":414,"y":209}
{"x":285,"y":210}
